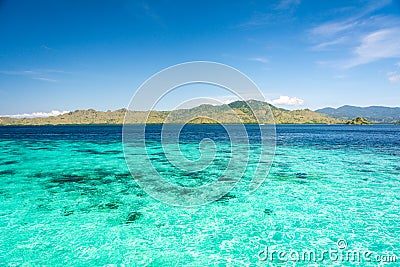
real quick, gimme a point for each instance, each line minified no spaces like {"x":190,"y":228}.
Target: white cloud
{"x":36,"y":114}
{"x":327,"y":45}
{"x":287,"y":4}
{"x":365,"y":36}
{"x":360,"y":19}
{"x":332,"y":28}
{"x":283,"y":11}
{"x":18,"y":72}
{"x":377,"y":45}
{"x":44,"y":79}
{"x":393,"y":77}
{"x":259,"y":59}
{"x":287,"y":101}
{"x":45,"y":47}
{"x":340,"y":76}
{"x":38,"y":74}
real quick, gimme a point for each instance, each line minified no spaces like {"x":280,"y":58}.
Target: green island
{"x":202,"y":114}
{"x":359,"y":121}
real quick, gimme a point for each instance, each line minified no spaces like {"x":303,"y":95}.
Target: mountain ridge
{"x":375,"y":114}
{"x":200,"y":114}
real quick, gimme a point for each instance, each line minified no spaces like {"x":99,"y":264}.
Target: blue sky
{"x":68,"y":55}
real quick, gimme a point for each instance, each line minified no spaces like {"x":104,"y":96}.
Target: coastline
{"x":119,"y":124}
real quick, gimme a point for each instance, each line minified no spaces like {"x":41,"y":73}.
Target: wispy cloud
{"x":394,"y":78}
{"x":37,"y":74}
{"x":36,"y":114}
{"x":149,"y":11}
{"x":358,"y":19}
{"x":329,"y":44}
{"x":340,"y":76}
{"x":287,"y":101}
{"x":365,"y":36}
{"x":17,"y":72}
{"x":377,"y":45}
{"x":46,"y":47}
{"x":144,"y":10}
{"x":259,"y":59}
{"x":332,"y":28}
{"x":280,"y":12}
{"x":287,"y":4}
{"x":44,"y":79}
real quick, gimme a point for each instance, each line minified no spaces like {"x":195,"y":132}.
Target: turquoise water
{"x":67,"y":198}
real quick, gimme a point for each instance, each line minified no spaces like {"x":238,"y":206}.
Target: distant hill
{"x":375,"y":114}
{"x":222,"y":112}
